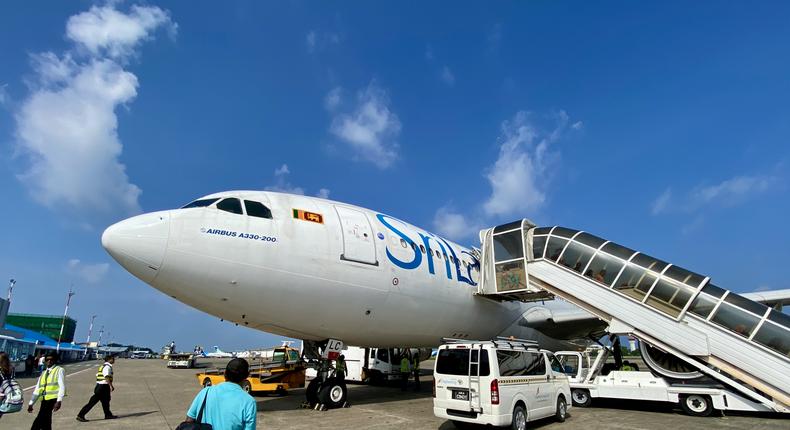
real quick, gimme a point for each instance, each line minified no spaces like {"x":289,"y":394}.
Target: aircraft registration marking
{"x":240,"y":235}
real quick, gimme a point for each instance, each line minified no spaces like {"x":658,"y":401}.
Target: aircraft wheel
{"x":696,"y":405}
{"x":333,"y":393}
{"x":206,"y":382}
{"x":311,"y":393}
{"x":580,"y":397}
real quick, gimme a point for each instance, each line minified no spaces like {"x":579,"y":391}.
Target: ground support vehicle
{"x":588,"y":380}
{"x":181,"y":361}
{"x":373,"y":365}
{"x":502,"y":382}
{"x":277,"y":373}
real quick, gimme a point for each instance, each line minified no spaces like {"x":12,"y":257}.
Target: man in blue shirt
{"x":228,"y":406}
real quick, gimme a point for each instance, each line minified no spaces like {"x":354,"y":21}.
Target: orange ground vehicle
{"x":276,"y":370}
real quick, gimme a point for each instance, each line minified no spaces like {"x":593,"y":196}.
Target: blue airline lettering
{"x":408,"y":265}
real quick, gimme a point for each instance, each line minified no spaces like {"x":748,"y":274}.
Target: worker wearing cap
{"x":51,"y":388}
{"x":101,"y":392}
{"x":404,"y":371}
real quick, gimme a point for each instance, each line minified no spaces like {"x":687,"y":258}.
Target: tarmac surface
{"x":151,"y":396}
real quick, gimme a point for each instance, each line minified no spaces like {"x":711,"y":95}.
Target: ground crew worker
{"x":404,"y":371}
{"x":101,"y":392}
{"x":627,"y":366}
{"x":340,"y":368}
{"x":415,"y":368}
{"x":51,"y":387}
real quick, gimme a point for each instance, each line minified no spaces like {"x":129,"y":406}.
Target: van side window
{"x":520,"y":363}
{"x":536,"y":365}
{"x":555,"y":364}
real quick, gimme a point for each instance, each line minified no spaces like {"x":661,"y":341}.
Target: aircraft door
{"x":358,"y":243}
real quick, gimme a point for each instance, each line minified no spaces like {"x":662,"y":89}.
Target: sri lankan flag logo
{"x":308,"y":216}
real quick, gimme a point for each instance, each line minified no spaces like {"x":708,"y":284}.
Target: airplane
{"x":218,"y":353}
{"x":315,"y":269}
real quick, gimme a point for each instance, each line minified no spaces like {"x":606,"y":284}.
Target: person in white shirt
{"x":51,"y":387}
{"x":101,"y":393}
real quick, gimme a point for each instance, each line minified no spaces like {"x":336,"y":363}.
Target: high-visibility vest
{"x":48,"y":386}
{"x":404,"y":365}
{"x":340,"y":365}
{"x":416,"y":363}
{"x":100,"y":373}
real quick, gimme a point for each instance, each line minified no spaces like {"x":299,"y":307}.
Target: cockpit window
{"x":257,"y":209}
{"x":200,"y":203}
{"x":230,"y":205}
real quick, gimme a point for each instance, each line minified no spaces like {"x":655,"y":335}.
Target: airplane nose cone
{"x":139,"y":243}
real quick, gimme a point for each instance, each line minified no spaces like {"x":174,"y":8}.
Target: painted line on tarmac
{"x":70,"y":374}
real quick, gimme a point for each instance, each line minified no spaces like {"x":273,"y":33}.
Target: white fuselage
{"x":357,"y":275}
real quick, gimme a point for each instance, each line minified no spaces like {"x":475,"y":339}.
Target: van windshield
{"x":456,"y":362}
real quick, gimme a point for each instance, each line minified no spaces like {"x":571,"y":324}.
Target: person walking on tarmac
{"x":51,"y":388}
{"x":340,"y":368}
{"x":404,"y":371}
{"x":101,"y":392}
{"x":415,"y":368}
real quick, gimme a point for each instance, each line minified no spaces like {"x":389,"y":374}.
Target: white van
{"x":498,"y":382}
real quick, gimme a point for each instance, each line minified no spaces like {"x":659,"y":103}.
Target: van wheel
{"x":206,"y":382}
{"x":333,"y":393}
{"x":562,"y":409}
{"x":696,"y":405}
{"x":519,"y":418}
{"x":580,"y":397}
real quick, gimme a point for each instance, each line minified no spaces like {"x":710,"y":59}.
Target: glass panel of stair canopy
{"x":509,"y":226}
{"x":635,"y":282}
{"x":541,"y":230}
{"x":713,"y":290}
{"x":538,"y":244}
{"x":564,"y":232}
{"x":735,"y":319}
{"x":618,"y":250}
{"x":649,"y":262}
{"x":604,"y":268}
{"x":508,"y":246}
{"x":510,"y":276}
{"x":703,"y":305}
{"x":682,"y":275}
{"x":774,"y":337}
{"x":555,"y":247}
{"x":756,"y":308}
{"x":669,"y":297}
{"x":576,"y":256}
{"x":780,"y":318}
{"x":593,"y":241}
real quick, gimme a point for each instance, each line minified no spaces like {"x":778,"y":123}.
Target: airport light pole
{"x":66,"y":312}
{"x":88,"y":341}
{"x":11,"y":284}
{"x":101,"y":332}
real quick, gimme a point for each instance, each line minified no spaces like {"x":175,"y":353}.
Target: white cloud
{"x":452,"y":225}
{"x":447,"y":76}
{"x":578,"y":125}
{"x":310,"y":40}
{"x":283,"y":185}
{"x":371,"y":129}
{"x":315,"y":40}
{"x":730,"y":192}
{"x":4,"y":97}
{"x":333,"y":99}
{"x":67,"y":126}
{"x":90,"y":273}
{"x":518,"y":177}
{"x":106,"y":31}
{"x":661,"y":202}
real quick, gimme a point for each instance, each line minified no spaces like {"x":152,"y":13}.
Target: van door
{"x":540,"y":374}
{"x":358,"y":244}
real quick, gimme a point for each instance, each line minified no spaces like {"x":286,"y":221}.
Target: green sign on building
{"x":48,"y":325}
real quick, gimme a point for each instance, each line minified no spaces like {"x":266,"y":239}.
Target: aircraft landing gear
{"x":325,"y":391}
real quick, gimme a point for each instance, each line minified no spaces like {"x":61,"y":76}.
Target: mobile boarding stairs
{"x":712,"y":333}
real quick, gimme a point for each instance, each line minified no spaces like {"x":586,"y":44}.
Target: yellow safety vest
{"x":416,"y":364}
{"x":48,"y":383}
{"x":404,"y":365}
{"x":341,"y":365}
{"x":100,"y":373}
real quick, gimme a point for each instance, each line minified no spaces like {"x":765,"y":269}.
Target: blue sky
{"x":661,"y":126}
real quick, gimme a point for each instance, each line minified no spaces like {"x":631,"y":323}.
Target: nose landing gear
{"x":325,"y":391}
